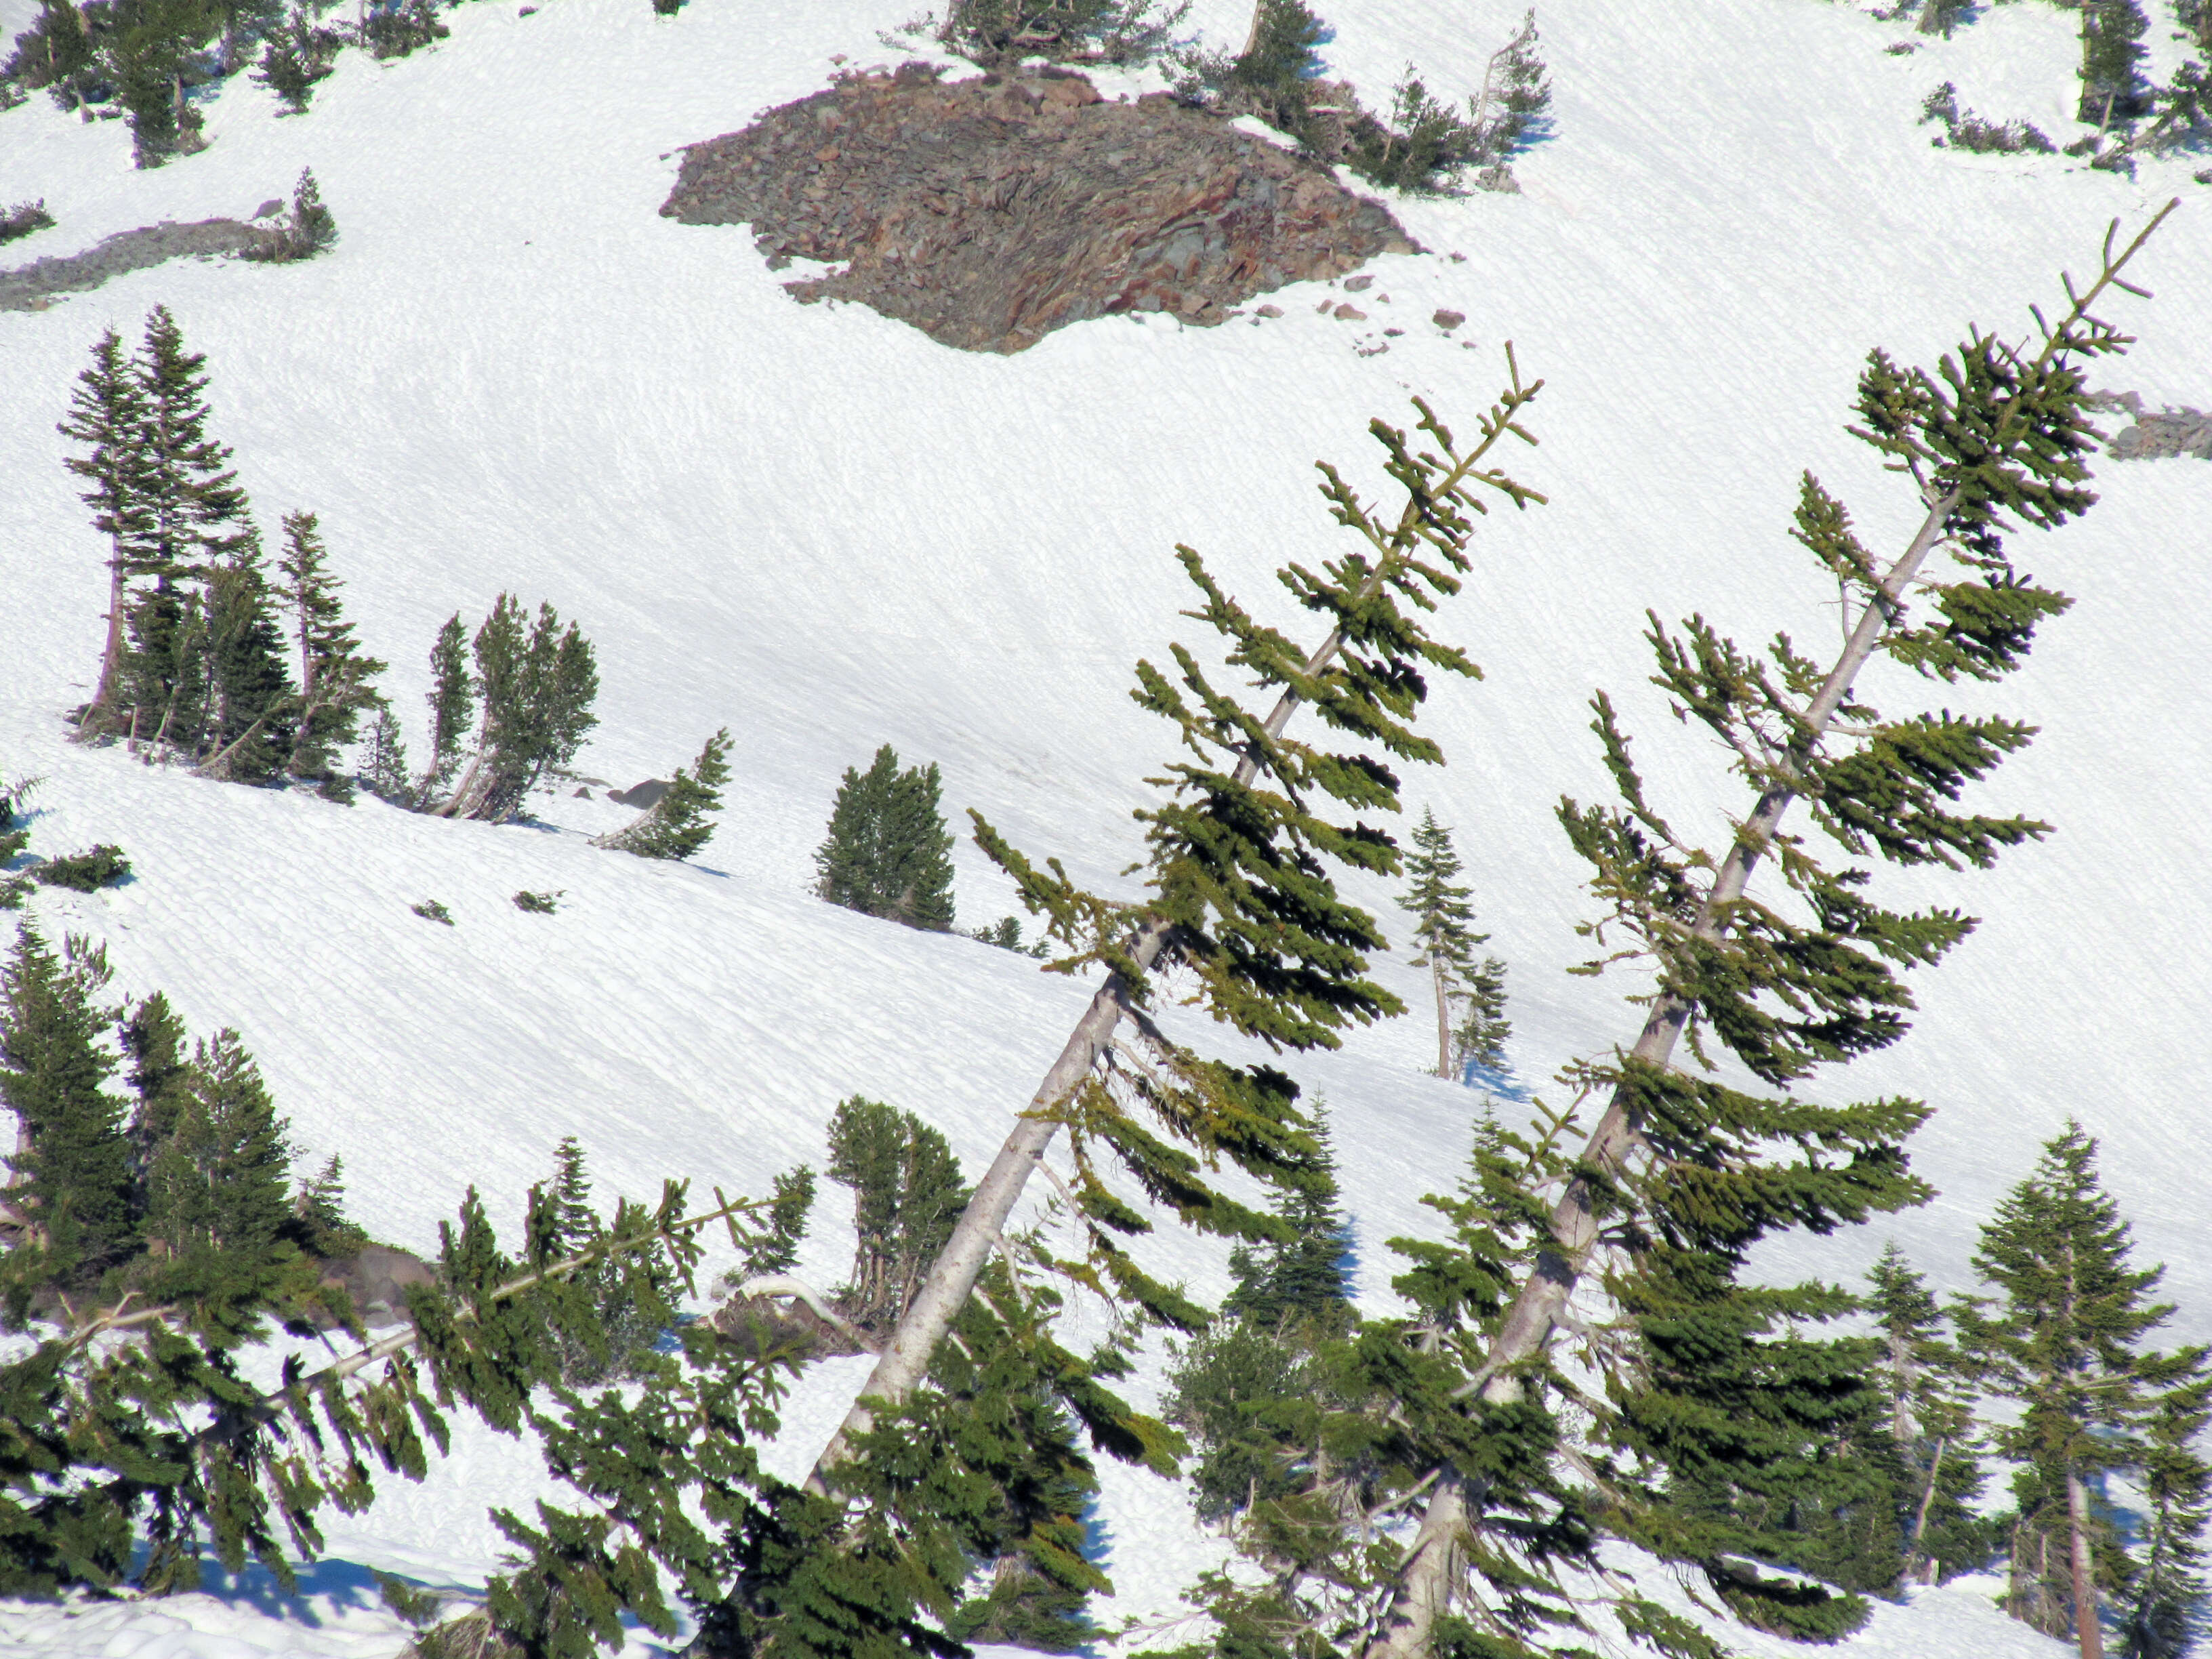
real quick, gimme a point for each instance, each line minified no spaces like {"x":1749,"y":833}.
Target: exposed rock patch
{"x":988,"y":212}
{"x":28,"y":287}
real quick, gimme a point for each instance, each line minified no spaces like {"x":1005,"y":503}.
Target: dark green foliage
{"x":452,"y":701}
{"x":681,"y":823}
{"x":107,"y":414}
{"x":536,"y":683}
{"x":431,"y":910}
{"x":319,"y":1210}
{"x":1928,"y":1397}
{"x":338,"y":683}
{"x":88,"y":872}
{"x":72,"y":1198}
{"x":1965,"y":130}
{"x":23,"y":219}
{"x":907,"y":1194}
{"x":254,"y":701}
{"x":630,"y":1300}
{"x":996,"y":32}
{"x":1006,"y":934}
{"x":1470,"y":996}
{"x":297,"y":53}
{"x":2067,"y":1345}
{"x":2113,"y":92}
{"x":1418,"y":145}
{"x":14,"y":837}
{"x":887,"y":853}
{"x":55,"y":52}
{"x":151,"y":52}
{"x":1300,"y":1280}
{"x":395,"y":30}
{"x":537,"y":904}
{"x":667,"y":8}
{"x":1941,"y":16}
{"x":218,"y":1181}
{"x":384,"y":757}
{"x":775,"y":1247}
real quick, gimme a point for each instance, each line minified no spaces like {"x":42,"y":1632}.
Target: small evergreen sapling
{"x":88,"y":872}
{"x":1926,"y":1382}
{"x":680,"y":824}
{"x":907,"y":1193}
{"x":1470,"y":996}
{"x":14,"y":837}
{"x":296,"y":55}
{"x":337,"y":682}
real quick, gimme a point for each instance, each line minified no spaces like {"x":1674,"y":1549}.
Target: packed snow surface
{"x":815,"y":527}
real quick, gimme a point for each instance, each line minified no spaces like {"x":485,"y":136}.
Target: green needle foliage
{"x":887,"y":853}
{"x":681,"y":822}
{"x":2068,"y":1344}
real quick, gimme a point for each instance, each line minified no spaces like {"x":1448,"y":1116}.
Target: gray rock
{"x":640,"y":796}
{"x":1449,"y":321}
{"x":28,"y":287}
{"x":2171,"y":432}
{"x":269,"y":208}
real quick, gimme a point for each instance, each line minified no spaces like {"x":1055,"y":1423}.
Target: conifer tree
{"x":1479,"y":1039}
{"x":1681,"y":1174}
{"x":14,"y":837}
{"x":219,"y":1183}
{"x":161,"y":1077}
{"x":198,"y":511}
{"x":887,"y":853}
{"x":319,"y":1207}
{"x":1929,"y":1400}
{"x":452,"y":701}
{"x":249,"y":734}
{"x":2067,"y":1345}
{"x":384,"y":757}
{"x":680,"y":824}
{"x":1239,"y":899}
{"x":1301,"y":1281}
{"x":907,"y":1194}
{"x":337,"y":682}
{"x":71,"y":1187}
{"x":1442,"y":918}
{"x":535,"y":684}
{"x":107,"y":413}
{"x":2112,"y":89}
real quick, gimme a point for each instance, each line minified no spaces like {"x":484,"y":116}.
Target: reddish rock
{"x":988,"y":212}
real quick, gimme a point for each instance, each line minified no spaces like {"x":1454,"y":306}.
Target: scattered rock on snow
{"x":1350,"y":315}
{"x":640,"y":796}
{"x":28,"y":287}
{"x":1449,"y":321}
{"x":2170,"y":432}
{"x":1268,"y":310}
{"x":1358,"y":285}
{"x":988,"y":212}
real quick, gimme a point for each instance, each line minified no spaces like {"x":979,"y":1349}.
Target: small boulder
{"x":269,"y":209}
{"x":1449,"y":321}
{"x":1359,"y":284}
{"x":1350,"y":315}
{"x":1268,"y":310}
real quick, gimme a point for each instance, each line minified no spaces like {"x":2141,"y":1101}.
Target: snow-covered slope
{"x":818,"y":528}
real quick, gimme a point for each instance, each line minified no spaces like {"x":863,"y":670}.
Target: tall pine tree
{"x":337,"y":682}
{"x":1929,"y":1396}
{"x":107,"y":414}
{"x":887,"y":853}
{"x":2068,"y":1344}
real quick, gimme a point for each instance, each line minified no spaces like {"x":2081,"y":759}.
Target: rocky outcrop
{"x":988,"y":212}
{"x":30,"y":288}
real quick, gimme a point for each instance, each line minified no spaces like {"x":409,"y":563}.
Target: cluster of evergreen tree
{"x":887,"y":853}
{"x":994,"y":33}
{"x":1421,"y":142}
{"x":154,"y":59}
{"x":211,"y":656}
{"x":184,"y":1181}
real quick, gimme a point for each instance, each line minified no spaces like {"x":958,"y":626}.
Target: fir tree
{"x":319,"y":1210}
{"x":452,"y":701}
{"x":296,"y":55}
{"x":337,"y":682}
{"x":2112,"y":89}
{"x":219,"y":1183}
{"x":680,"y":824}
{"x":161,"y":1077}
{"x":14,"y":837}
{"x":107,"y":413}
{"x":147,"y":53}
{"x":907,"y":1194}
{"x":384,"y":757}
{"x":1300,"y":1281}
{"x":887,"y":853}
{"x":55,"y":52}
{"x":71,"y":1187}
{"x":1442,"y":918}
{"x":2067,"y":1345}
{"x":1929,"y":1399}
{"x":1681,"y":1174}
{"x":1479,"y":1039}
{"x":249,"y":734}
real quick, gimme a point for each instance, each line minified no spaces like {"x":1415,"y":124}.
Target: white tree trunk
{"x":1425,"y":1581}
{"x":2088,"y":1634}
{"x":1443,"y":984}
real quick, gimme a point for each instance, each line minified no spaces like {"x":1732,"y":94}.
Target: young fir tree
{"x":338,"y":683}
{"x":1929,"y":1400}
{"x":1239,"y":905}
{"x":296,"y":54}
{"x":2166,"y":1602}
{"x":154,"y":1043}
{"x":907,"y":1193}
{"x":14,"y":837}
{"x":219,"y":1183}
{"x":319,"y":1208}
{"x":69,"y":1192}
{"x":2113,"y":93}
{"x":1479,"y":1038}
{"x":887,"y":853}
{"x":2068,"y":1344}
{"x":248,"y":736}
{"x":630,"y":1313}
{"x":1442,"y":918}
{"x":1681,"y":1175}
{"x":107,"y":414}
{"x":680,"y":823}
{"x":56,"y":52}
{"x":452,"y":701}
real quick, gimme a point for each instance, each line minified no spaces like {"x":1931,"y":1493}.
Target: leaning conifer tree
{"x":337,"y":682}
{"x":1442,"y":917}
{"x":1996,"y":435}
{"x":1239,"y":904}
{"x":681,"y":822}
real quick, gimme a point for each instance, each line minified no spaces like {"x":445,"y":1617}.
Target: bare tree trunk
{"x":1444,"y":1011}
{"x":1424,"y":1581}
{"x":111,"y":656}
{"x":2087,"y":1632}
{"x":1913,"y":1552}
